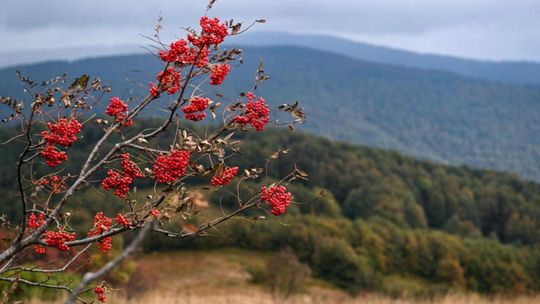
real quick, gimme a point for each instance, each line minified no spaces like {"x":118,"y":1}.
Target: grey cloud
{"x":490,"y":21}
{"x":392,"y":16}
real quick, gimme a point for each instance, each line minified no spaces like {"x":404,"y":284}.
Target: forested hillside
{"x":364,"y":216}
{"x":434,"y":115}
{"x":501,"y":71}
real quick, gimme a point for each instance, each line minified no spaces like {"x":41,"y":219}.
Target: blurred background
{"x":422,"y":145}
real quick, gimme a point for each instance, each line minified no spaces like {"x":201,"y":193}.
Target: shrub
{"x":285,"y":274}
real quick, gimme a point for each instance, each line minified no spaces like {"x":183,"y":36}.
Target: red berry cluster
{"x":170,"y":167}
{"x":213,"y":33}
{"x":129,"y":167}
{"x":197,"y":56}
{"x":122,"y":220}
{"x":224,"y":177}
{"x":197,"y":104}
{"x":34,"y":222}
{"x":58,"y":238}
{"x":39,"y":249}
{"x":53,"y":156}
{"x":277,"y":197}
{"x":256,"y":113}
{"x":218,"y":73}
{"x":154,"y":213}
{"x":101,"y":225}
{"x":63,"y":133}
{"x":176,"y":51}
{"x":181,"y":54}
{"x":56,"y":183}
{"x":121,"y":182}
{"x":100,"y":292}
{"x":118,"y":109}
{"x":154,"y":91}
{"x":169,"y":80}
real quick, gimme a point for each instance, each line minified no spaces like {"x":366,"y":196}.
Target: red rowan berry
{"x":224,"y":177}
{"x":100,"y":292}
{"x":200,"y":54}
{"x":118,"y":109}
{"x":101,"y":225}
{"x":213,"y":32}
{"x":170,"y":167}
{"x":256,"y":113}
{"x":53,"y":156}
{"x":121,"y":219}
{"x":277,"y":197}
{"x":129,"y":167}
{"x":177,"y":49}
{"x":39,"y":249}
{"x":120,"y":183}
{"x":34,"y":222}
{"x":197,"y":104}
{"x":58,"y":238}
{"x":63,"y":133}
{"x":218,"y":73}
{"x":169,"y":80}
{"x":54,"y":182}
{"x":154,"y":91}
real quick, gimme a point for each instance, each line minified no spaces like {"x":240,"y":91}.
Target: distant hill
{"x":431,"y":114}
{"x":505,"y":71}
{"x":526,"y":72}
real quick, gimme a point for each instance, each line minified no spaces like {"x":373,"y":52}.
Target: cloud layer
{"x":487,"y":29}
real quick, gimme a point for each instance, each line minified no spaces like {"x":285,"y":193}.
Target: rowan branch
{"x":92,"y":276}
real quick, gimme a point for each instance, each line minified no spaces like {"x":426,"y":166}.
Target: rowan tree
{"x":51,"y":121}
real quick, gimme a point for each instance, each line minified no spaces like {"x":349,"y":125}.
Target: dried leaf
{"x":197,"y":199}
{"x":80,"y":83}
{"x":301,"y":173}
{"x":67,"y":101}
{"x":175,"y":200}
{"x":210,"y":4}
{"x":236,"y":28}
{"x":189,"y":228}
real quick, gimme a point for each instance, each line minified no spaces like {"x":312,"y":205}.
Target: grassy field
{"x":220,"y":277}
{"x":259,"y":297}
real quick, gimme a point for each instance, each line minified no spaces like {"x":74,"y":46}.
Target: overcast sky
{"x":485,"y":29}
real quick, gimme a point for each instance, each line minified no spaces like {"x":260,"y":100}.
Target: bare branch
{"x":91,"y":276}
{"x":75,"y":257}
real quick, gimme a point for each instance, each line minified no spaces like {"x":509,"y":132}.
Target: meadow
{"x":221,"y":277}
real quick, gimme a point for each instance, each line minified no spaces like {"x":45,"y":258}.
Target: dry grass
{"x":219,"y":277}
{"x":249,"y":296}
{"x":257,"y":296}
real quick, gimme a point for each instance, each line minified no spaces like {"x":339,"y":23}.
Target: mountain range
{"x":504,"y":71}
{"x":482,"y":120}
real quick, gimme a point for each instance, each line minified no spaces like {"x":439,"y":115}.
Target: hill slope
{"x":435,"y":115}
{"x":364,"y":214}
{"x":504,"y":71}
